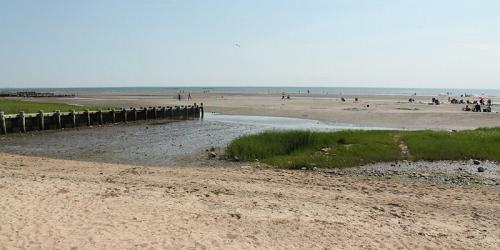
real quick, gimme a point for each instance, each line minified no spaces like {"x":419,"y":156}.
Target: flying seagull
{"x":237,"y":45}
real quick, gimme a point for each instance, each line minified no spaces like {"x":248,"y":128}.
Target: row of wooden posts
{"x":23,"y":122}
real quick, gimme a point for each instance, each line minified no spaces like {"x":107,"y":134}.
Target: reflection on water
{"x":156,"y":143}
{"x":284,"y":123}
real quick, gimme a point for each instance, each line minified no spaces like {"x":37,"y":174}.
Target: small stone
{"x":303,"y":168}
{"x":476,"y":162}
{"x":212,"y":154}
{"x":480,"y":169}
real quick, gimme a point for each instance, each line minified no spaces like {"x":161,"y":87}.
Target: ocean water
{"x":268,"y":90}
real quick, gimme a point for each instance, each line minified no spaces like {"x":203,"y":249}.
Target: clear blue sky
{"x":384,"y":43}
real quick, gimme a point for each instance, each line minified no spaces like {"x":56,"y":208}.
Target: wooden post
{"x":124,"y":115}
{"x":135,"y":114}
{"x":146,"y":114}
{"x":99,"y":114}
{"x":57,"y":114}
{"x":3,"y":125}
{"x":87,"y":115}
{"x":171,"y":112}
{"x":155,"y":115}
{"x":113,"y":116}
{"x":41,"y":123}
{"x":164,"y":112}
{"x":22,"y":121}
{"x":73,"y":118}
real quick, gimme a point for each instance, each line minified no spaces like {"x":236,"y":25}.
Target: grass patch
{"x":10,"y":106}
{"x":297,"y":149}
{"x":482,"y":144}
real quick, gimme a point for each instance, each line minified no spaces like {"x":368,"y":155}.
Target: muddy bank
{"x":159,"y":143}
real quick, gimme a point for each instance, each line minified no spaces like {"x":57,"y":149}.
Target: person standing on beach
{"x":179,"y":96}
{"x":189,"y":96}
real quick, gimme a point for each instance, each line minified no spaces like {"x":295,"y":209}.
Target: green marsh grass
{"x":11,"y":106}
{"x":297,"y":149}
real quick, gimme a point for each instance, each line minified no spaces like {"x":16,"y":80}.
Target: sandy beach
{"x":383,"y":111}
{"x":250,"y":125}
{"x":52,"y":203}
{"x":61,"y":204}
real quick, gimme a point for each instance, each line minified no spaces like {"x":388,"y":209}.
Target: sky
{"x":337,"y":43}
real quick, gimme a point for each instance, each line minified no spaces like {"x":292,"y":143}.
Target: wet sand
{"x":156,"y":143}
{"x":383,"y":111}
{"x":49,"y":204}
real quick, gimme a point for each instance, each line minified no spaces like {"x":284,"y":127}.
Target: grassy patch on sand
{"x":10,"y":106}
{"x":482,"y":144}
{"x":296,"y":149}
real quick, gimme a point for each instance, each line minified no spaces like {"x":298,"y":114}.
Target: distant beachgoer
{"x":477,"y":107}
{"x":489,"y":102}
{"x":179,"y":96}
{"x":189,"y":95}
{"x":342,"y":99}
{"x":288,"y":97}
{"x":356,"y":99}
{"x":467,"y":108}
{"x":308,"y":92}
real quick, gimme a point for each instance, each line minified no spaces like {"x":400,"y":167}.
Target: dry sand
{"x":61,"y":204}
{"x":383,"y":111}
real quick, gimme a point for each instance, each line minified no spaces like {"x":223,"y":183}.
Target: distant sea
{"x":268,"y":90}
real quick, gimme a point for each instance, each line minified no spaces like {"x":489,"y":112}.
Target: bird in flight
{"x":237,"y":45}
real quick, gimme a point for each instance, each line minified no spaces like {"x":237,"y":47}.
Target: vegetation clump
{"x":298,"y":149}
{"x":14,"y":106}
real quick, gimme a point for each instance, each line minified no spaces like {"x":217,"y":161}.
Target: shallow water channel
{"x":155,"y":143}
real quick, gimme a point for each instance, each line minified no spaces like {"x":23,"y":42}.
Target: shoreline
{"x":383,"y":111}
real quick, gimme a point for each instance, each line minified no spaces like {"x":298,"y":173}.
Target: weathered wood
{"x":41,"y":120}
{"x":27,"y":122}
{"x":22,"y":121}
{"x":57,"y":117}
{"x":73,"y":118}
{"x":87,"y":115}
{"x":3,"y":125}
{"x":99,"y":115}
{"x":124,"y":111}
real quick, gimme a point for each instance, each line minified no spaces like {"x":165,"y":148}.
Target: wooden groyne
{"x":22,"y":122}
